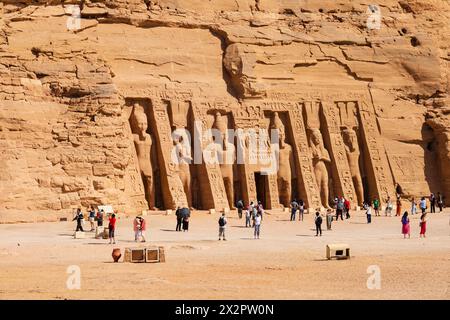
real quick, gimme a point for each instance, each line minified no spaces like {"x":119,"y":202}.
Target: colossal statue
{"x":285,"y":162}
{"x":353,"y":153}
{"x":320,"y":157}
{"x":226,"y":156}
{"x":184,"y":156}
{"x":143,"y":144}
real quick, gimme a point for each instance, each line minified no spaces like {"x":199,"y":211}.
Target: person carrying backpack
{"x":248,"y":216}
{"x":179,"y":216}
{"x":222,"y":226}
{"x":318,"y":222}
{"x":254,"y":213}
{"x":240,"y":207}
{"x":294,"y":208}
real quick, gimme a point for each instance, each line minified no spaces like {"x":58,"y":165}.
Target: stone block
{"x":338,"y":250}
{"x":99,"y":231}
{"x":79,"y":235}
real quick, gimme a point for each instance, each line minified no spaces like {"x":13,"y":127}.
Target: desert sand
{"x":288,"y":262}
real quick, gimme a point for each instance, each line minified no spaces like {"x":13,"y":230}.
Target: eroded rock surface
{"x":67,"y":97}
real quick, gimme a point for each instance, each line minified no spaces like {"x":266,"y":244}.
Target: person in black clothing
{"x":79,"y":217}
{"x":433,"y":203}
{"x":240,"y":207}
{"x":100,"y":215}
{"x":318,"y":222}
{"x":294,"y":208}
{"x":440,"y":201}
{"x":179,"y":219}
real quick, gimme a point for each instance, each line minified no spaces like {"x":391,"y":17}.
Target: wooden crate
{"x":162,"y":255}
{"x":135,"y":255}
{"x":152,"y":254}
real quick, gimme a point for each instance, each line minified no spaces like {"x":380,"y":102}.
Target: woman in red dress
{"x":405,"y":225}
{"x":423,"y":225}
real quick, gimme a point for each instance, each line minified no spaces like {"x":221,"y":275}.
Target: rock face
{"x":358,"y":93}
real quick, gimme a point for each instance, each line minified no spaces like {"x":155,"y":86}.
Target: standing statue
{"x":352,"y":151}
{"x":320,"y":157}
{"x":184,"y":158}
{"x":285,"y":163}
{"x":226,"y":157}
{"x":143,"y":144}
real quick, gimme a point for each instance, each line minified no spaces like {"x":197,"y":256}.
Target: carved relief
{"x":143,"y":143}
{"x":285,"y":162}
{"x":214,"y":189}
{"x":226,"y":156}
{"x":380,"y":181}
{"x":173,"y":191}
{"x":320,"y":158}
{"x":341,"y":170}
{"x":353,"y":154}
{"x":306,"y":179}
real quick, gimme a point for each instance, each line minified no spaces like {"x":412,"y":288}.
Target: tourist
{"x":318,"y":223}
{"x":248,"y":216}
{"x":79,"y":218}
{"x":368,"y":208}
{"x":329,"y":218}
{"x":413,"y":206}
{"x":185,"y":223}
{"x":100,"y":215}
{"x":405,"y":225}
{"x":254,"y":213}
{"x":440,"y":201}
{"x":240,"y":207}
{"x":376,"y":206}
{"x":294,"y":208}
{"x":301,"y":210}
{"x":339,"y":208}
{"x":347,"y":208}
{"x":432,"y":203}
{"x":139,"y":227}
{"x":399,"y":206}
{"x":179,"y":216}
{"x":92,"y":218}
{"x":112,"y":228}
{"x":423,"y":225}
{"x":222,"y":225}
{"x":423,"y":204}
{"x":257,"y":226}
{"x":389,"y":207}
{"x":260,"y":209}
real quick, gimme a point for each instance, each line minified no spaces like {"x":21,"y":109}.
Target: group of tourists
{"x":254,"y":212}
{"x":98,"y":216}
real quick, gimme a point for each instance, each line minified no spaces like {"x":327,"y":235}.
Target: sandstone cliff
{"x":66,"y":95}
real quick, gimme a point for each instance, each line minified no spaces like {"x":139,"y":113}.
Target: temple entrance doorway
{"x":261,"y":182}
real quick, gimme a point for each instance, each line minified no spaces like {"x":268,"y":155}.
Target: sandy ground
{"x":288,"y":262}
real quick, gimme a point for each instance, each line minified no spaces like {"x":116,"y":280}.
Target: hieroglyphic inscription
{"x":170,"y":177}
{"x":273,"y":200}
{"x":339,"y":163}
{"x":215,"y":186}
{"x":382,"y":185}
{"x":306,"y":181}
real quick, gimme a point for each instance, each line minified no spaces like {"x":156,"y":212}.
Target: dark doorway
{"x":261,"y":188}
